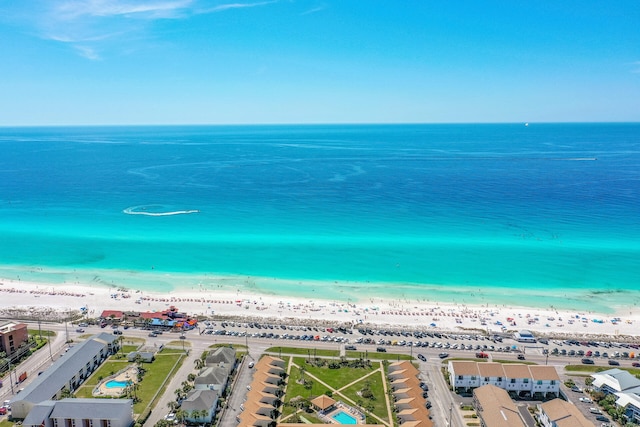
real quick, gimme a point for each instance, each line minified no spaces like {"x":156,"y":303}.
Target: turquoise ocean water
{"x":541,"y":215}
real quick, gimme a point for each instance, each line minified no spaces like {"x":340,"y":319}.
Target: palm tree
{"x":181,"y":415}
{"x":302,"y":371}
{"x":172,"y":405}
{"x":199,"y":363}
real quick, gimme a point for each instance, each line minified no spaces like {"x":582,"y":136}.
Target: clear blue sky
{"x":317,"y":61}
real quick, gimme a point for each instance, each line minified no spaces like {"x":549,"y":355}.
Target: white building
{"x":631,"y":404}
{"x":625,"y":386}
{"x":615,"y":381}
{"x":524,"y":336}
{"x":467,"y":375}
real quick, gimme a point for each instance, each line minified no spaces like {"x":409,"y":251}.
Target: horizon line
{"x":523,"y":123}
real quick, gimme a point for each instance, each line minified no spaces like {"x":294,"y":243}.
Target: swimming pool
{"x":344,"y":418}
{"x":115,"y":384}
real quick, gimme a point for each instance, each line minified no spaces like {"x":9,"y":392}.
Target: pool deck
{"x":341,"y":407}
{"x":126,"y":375}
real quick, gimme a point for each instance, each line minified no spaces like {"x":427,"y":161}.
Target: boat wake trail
{"x":156,"y":210}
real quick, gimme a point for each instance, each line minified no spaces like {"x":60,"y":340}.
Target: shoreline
{"x":33,"y":297}
{"x":605,"y":302}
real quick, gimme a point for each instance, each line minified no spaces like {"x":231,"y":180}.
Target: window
{"x":513,"y":380}
{"x":553,"y":382}
{"x":526,"y":380}
{"x":539,"y":382}
{"x":499,"y":379}
{"x":460,"y":377}
{"x":486,"y":379}
{"x":473,"y":377}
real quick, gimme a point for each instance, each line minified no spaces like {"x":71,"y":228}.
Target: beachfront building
{"x":12,"y":336}
{"x":200,"y":406}
{"x":81,"y":413}
{"x":624,"y":386}
{"x":559,"y":413}
{"x":405,"y":386}
{"x":524,"y":336}
{"x":519,"y":378}
{"x":66,"y":373}
{"x":495,"y":408}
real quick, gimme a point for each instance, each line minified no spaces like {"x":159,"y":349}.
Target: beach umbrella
{"x":433,"y":325}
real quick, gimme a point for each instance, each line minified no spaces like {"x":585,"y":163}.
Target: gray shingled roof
{"x":97,"y":409}
{"x":39,"y":413}
{"x":51,"y":381}
{"x":198,"y":400}
{"x":213,"y":375}
{"x":221,"y":354}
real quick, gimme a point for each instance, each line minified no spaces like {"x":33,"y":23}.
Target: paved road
{"x":444,"y":403}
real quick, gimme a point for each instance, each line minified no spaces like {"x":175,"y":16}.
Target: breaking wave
{"x":156,"y":210}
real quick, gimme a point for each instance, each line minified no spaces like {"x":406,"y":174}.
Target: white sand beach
{"x":61,"y":299}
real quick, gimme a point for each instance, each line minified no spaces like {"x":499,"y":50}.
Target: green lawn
{"x":303,"y":351}
{"x":379,"y":402}
{"x":294,"y":389}
{"x":153,"y":382}
{"x":337,"y":378}
{"x":593,"y":368}
{"x":374,"y":355}
{"x":154,"y":379}
{"x":45,"y":333}
{"x":6,"y":423}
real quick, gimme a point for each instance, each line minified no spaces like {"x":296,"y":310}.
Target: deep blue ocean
{"x":546,"y":214}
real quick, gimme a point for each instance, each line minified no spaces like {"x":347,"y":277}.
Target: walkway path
{"x":346,"y":398}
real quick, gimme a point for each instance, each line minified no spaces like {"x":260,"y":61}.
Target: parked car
{"x":636,"y":364}
{"x":521,"y":357}
{"x":602,"y":418}
{"x":443,"y":355}
{"x":587,"y":361}
{"x":117,"y":332}
{"x":153,"y":334}
{"x":614,"y":363}
{"x":421,"y":357}
{"x":595,"y":411}
{"x":79,"y":330}
{"x":381,"y":349}
{"x":585,"y":400}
